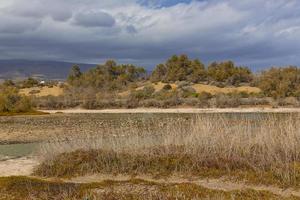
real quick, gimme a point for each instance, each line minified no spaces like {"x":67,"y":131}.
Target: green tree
{"x":179,"y":68}
{"x":108,"y":76}
{"x":229,"y":73}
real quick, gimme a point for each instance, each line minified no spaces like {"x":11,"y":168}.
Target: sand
{"x":17,"y":167}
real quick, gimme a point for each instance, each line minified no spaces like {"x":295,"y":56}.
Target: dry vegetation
{"x":262,"y":150}
{"x":43,"y":91}
{"x":21,"y":188}
{"x":200,"y":88}
{"x":215,"y":90}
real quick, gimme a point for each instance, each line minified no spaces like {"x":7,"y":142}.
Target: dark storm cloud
{"x":257,"y":33}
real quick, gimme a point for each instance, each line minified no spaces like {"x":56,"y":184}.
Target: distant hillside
{"x":18,"y":69}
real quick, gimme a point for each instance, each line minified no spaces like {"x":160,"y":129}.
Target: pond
{"x":17,"y":150}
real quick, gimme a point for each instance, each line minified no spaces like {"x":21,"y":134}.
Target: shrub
{"x":205,"y":96}
{"x":182,"y":84}
{"x":289,"y":101}
{"x":32,"y":92}
{"x":187,"y":91}
{"x":167,"y":87}
{"x":30,"y":82}
{"x":280,"y":82}
{"x":190,"y":102}
{"x":12,"y":102}
{"x":150,"y":103}
{"x":253,"y":101}
{"x":172,"y":102}
{"x":144,"y":93}
{"x":224,"y":101}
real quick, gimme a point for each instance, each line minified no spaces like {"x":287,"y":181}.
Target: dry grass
{"x":215,"y":90}
{"x":264,"y":150}
{"x":44,"y":91}
{"x":201,"y":88}
{"x":22,"y":188}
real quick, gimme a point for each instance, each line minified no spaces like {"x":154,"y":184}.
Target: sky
{"x":253,"y":33}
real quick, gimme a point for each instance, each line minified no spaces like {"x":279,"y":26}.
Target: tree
{"x":229,"y":73}
{"x":197,"y":72}
{"x":108,"y":76}
{"x":159,"y":73}
{"x":179,"y":68}
{"x":74,"y":75}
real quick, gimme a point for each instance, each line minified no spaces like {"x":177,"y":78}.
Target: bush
{"x":187,"y":91}
{"x":182,"y":84}
{"x":144,"y":93}
{"x":289,"y":101}
{"x":12,"y":102}
{"x":32,"y":92}
{"x":205,"y":96}
{"x":150,"y":103}
{"x":253,"y":101}
{"x":167,"y":87}
{"x":29,"y":83}
{"x":172,"y":102}
{"x":280,"y":82}
{"x":224,"y":101}
{"x":191,"y":102}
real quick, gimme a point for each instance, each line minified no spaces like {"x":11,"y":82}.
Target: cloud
{"x":94,"y":19}
{"x":17,"y":25}
{"x":57,"y":10}
{"x":257,"y":33}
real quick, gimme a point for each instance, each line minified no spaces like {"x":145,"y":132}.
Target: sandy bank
{"x":17,"y":167}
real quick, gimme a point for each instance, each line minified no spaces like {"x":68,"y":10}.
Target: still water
{"x":17,"y":150}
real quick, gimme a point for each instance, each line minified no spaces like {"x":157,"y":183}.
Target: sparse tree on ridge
{"x":74,"y":75}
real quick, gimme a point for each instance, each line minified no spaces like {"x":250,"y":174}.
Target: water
{"x":17,"y":150}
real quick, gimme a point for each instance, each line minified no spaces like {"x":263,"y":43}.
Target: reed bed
{"x":261,"y":148}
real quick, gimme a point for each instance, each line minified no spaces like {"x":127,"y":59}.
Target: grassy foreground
{"x":261,"y":151}
{"x":22,"y":188}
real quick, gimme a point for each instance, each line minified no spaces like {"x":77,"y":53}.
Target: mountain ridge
{"x":19,"y":68}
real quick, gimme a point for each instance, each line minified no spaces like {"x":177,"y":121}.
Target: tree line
{"x":274,"y":82}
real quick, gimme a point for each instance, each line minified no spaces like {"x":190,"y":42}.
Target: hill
{"x":18,"y":69}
